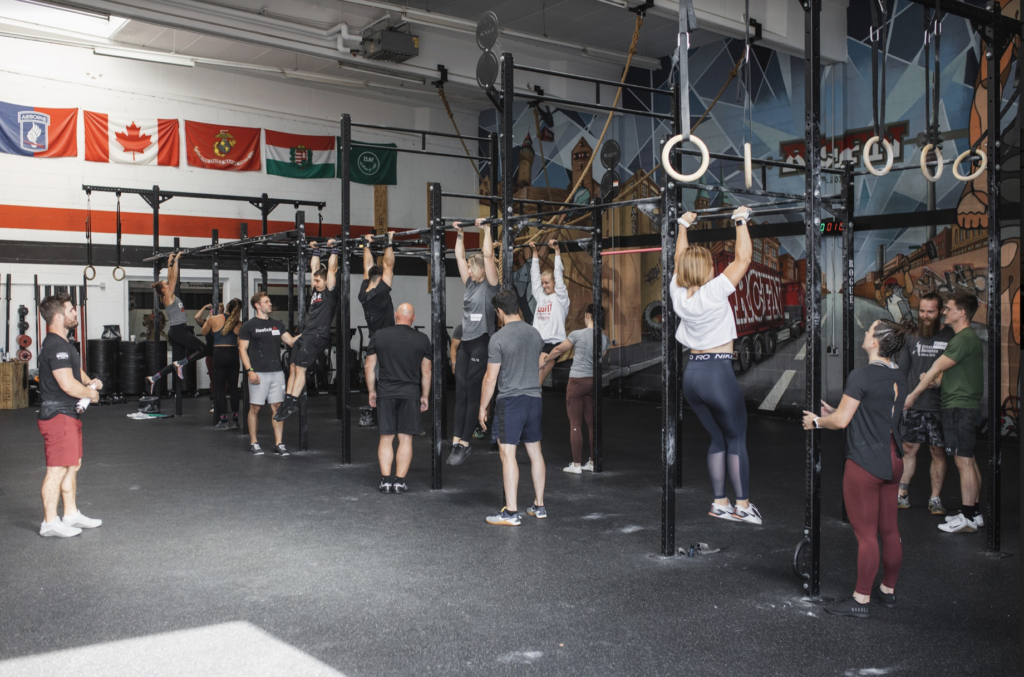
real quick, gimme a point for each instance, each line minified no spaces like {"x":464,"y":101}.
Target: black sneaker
{"x":234,"y":424}
{"x":479,"y":433}
{"x":286,"y":409}
{"x":399,"y":487}
{"x":255,"y":450}
{"x":849,"y":607}
{"x":886,"y":600}
{"x":459,"y":453}
{"x":385,"y":487}
{"x":221,"y":425}
{"x":280,"y":450}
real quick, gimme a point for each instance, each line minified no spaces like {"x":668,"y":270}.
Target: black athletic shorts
{"x":308,"y":349}
{"x":399,"y":416}
{"x":548,"y":347}
{"x":922,"y":427}
{"x":960,"y":430}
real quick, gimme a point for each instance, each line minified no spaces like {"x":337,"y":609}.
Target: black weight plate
{"x":23,"y":327}
{"x":609,"y":185}
{"x":22,"y":311}
{"x":610,"y":154}
{"x":24,"y":341}
{"x":486,"y":69}
{"x":487,"y":30}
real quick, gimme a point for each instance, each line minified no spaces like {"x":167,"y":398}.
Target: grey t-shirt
{"x":583,"y":358}
{"x":517,"y":348}
{"x":917,"y":357}
{"x":477,"y":311}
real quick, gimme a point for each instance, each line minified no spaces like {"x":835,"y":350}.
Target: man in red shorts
{"x":61,"y":385}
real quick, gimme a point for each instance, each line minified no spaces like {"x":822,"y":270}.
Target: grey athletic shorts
{"x":270,"y":389}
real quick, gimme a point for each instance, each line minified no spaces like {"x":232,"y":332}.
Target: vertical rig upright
{"x":215,"y":301}
{"x":243,"y":263}
{"x":849,"y":279}
{"x":812,"y":188}
{"x":676,"y":195}
{"x":300,"y":225}
{"x":342,"y":376}
{"x":178,"y":353}
{"x":669,"y":369}
{"x":438,"y":334}
{"x":596,"y":432}
{"x":507,"y":174}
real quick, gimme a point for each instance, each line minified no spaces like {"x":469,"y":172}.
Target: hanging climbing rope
{"x":932,"y":33}
{"x":879,"y":43}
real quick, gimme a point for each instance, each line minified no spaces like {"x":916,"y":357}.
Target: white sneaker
{"x":978,"y":520}
{"x":725,"y":512}
{"x":588,"y":466}
{"x":81,"y":521}
{"x":749,"y":514}
{"x":959,"y":523}
{"x":58,"y":528}
{"x":573,"y":468}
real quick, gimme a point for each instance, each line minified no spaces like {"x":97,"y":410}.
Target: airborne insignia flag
{"x":300,"y":157}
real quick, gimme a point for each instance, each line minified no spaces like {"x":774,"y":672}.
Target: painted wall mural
{"x":893,"y":268}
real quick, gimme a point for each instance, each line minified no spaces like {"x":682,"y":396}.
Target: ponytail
{"x":892,"y":335}
{"x":234,"y":316}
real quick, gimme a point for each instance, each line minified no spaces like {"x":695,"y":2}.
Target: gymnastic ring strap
{"x":666,"y":153}
{"x":86,"y":273}
{"x":924,"y":162}
{"x":748,"y":173}
{"x":981,"y":165}
{"x":865,"y":156}
{"x":116,"y":278}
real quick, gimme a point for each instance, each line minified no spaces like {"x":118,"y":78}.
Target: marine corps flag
{"x":375,"y":164}
{"x":229,"y":148}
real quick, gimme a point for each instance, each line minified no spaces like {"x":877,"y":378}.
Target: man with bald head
{"x":402,"y":356}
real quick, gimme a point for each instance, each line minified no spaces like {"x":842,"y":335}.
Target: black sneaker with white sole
{"x":385,"y":487}
{"x":399,"y":487}
{"x":255,"y":450}
{"x":280,"y":450}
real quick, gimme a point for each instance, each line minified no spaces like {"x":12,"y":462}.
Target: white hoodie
{"x":549,"y":317}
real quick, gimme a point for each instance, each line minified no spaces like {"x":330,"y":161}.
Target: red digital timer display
{"x":831,"y":227}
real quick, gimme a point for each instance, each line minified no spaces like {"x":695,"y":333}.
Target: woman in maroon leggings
{"x":871,"y":408}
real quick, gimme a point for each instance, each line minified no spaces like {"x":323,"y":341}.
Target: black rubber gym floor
{"x":299,"y":565}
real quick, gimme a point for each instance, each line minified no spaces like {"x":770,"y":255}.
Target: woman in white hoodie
{"x":552,"y":303}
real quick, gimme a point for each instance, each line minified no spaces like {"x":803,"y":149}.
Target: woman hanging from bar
{"x":177,"y":333}
{"x":481,"y":277}
{"x":224,"y":377}
{"x":870,"y":411}
{"x":707,"y":327}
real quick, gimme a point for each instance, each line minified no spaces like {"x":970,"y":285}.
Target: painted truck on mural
{"x":767,"y":311}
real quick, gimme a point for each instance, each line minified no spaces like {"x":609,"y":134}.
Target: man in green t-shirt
{"x":960,"y":369}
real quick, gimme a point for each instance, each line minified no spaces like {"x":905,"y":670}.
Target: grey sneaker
{"x":222,"y":425}
{"x":505,"y":518}
{"x":255,"y":450}
{"x":935,"y":506}
{"x":234,"y":424}
{"x":538,"y":511}
{"x":902,"y":501}
{"x":459,"y":453}
{"x":80,"y":521}
{"x":280,"y":450}
{"x":58,"y":528}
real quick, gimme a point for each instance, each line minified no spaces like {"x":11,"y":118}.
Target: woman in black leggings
{"x":224,"y":378}
{"x":707,"y":327}
{"x":481,"y":278}
{"x":177,"y":333}
{"x":870,"y":410}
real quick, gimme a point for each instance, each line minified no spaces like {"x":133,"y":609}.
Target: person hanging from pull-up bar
{"x":552,"y":298}
{"x":177,"y":333}
{"x":316,"y":335}
{"x":375,"y":291}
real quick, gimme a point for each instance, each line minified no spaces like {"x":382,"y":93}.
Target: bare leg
{"x":297,"y":381}
{"x":278,"y":426}
{"x":254,"y":421}
{"x":51,"y":491}
{"x":68,"y":490}
{"x":938,"y":469}
{"x":509,"y":475}
{"x":404,"y":459}
{"x":538,"y":470}
{"x":545,"y":370}
{"x":910,"y":450}
{"x":385,"y":454}
{"x":969,"y":480}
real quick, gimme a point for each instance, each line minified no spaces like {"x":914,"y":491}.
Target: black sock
{"x":511,"y":512}
{"x":157,"y":377}
{"x":234,"y":415}
{"x":399,"y":480}
{"x":385,"y":479}
{"x":969,"y":511}
{"x":223,"y":417}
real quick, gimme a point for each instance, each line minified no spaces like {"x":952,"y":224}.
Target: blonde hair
{"x":476,"y":261}
{"x":694,"y":267}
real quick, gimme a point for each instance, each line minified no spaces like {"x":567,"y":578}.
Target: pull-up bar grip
{"x":924,"y":162}
{"x":666,"y":153}
{"x":865,"y":156}
{"x":981,"y":165}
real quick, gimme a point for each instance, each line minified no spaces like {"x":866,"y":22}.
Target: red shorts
{"x":62,"y":437}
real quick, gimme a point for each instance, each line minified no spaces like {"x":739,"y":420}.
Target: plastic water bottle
{"x":84,"y":403}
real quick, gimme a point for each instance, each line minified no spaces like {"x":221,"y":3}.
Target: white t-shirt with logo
{"x":706,"y":319}
{"x":549,"y":317}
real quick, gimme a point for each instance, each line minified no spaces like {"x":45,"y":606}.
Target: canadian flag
{"x":131,"y":141}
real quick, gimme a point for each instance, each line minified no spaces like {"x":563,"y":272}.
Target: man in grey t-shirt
{"x":513,"y":366}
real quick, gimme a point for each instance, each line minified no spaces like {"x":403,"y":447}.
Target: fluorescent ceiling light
{"x":319,"y":77}
{"x":46,"y":16}
{"x":143,"y":55}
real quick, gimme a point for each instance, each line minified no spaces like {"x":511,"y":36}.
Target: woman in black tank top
{"x":224,"y":377}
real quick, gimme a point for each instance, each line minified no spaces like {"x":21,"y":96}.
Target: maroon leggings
{"x":871,"y":507}
{"x":579,"y":403}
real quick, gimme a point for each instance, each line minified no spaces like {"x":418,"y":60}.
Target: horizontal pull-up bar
{"x":570,"y":208}
{"x":755,"y":161}
{"x":750,"y":191}
{"x":204,"y":196}
{"x":406,"y":130}
{"x":470,"y":196}
{"x":232,"y":244}
{"x":594,"y":106}
{"x":435,"y":153}
{"x":583,"y":78}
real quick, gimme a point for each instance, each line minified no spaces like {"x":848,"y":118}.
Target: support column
{"x":243,"y":415}
{"x":215,"y":303}
{"x":177,"y":381}
{"x":343,"y":403}
{"x":300,"y":225}
{"x":507,"y":174}
{"x":597,"y":431}
{"x":438,"y":334}
{"x":669,"y":369}
{"x":849,"y":279}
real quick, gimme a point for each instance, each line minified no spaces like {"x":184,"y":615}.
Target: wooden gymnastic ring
{"x":888,"y":156}
{"x":86,"y":273}
{"x":116,"y":278}
{"x":981,"y":166}
{"x":924,"y":160}
{"x":667,"y":151}
{"x":748,"y":173}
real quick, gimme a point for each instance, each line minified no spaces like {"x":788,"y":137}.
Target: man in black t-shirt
{"x":62,"y":386}
{"x":404,"y":356}
{"x":259,"y":345}
{"x":316,"y":335}
{"x":375,"y":290}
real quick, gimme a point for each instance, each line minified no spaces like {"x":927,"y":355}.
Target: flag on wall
{"x":300,"y":157}
{"x":131,"y":141}
{"x":38,"y":132}
{"x":228,"y":148}
{"x":373,"y":163}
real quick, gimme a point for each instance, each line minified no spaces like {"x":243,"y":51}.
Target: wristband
{"x":250,"y":369}
{"x":684,"y":223}
{"x":816,"y":423}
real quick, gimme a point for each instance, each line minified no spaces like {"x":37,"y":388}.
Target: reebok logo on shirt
{"x":61,"y":356}
{"x":271,"y":330}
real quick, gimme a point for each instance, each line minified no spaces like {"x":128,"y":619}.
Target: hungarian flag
{"x":300,"y":157}
{"x":375,"y":164}
{"x":38,"y":132}
{"x":130,"y":141}
{"x":229,"y":148}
